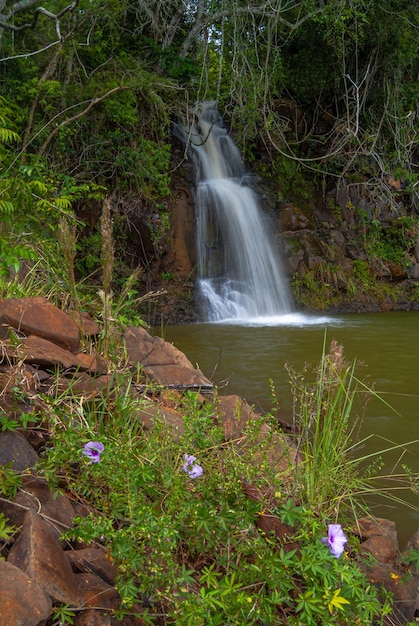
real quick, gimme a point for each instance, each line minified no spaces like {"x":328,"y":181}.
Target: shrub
{"x":186,"y":544}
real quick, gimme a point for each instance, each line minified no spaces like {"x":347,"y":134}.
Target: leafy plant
{"x":393,"y":243}
{"x":188,"y":542}
{"x":63,"y":615}
{"x":6,"y":530}
{"x":9,"y":480}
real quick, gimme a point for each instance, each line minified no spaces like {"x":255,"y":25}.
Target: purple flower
{"x":195,"y":471}
{"x":92,"y":450}
{"x":190,"y":467}
{"x":189,"y":458}
{"x":336,"y":539}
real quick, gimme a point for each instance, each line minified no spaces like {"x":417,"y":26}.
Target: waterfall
{"x":240,"y":276}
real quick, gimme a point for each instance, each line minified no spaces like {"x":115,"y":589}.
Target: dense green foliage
{"x":90,"y":88}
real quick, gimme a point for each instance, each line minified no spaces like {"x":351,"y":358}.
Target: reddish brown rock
{"x":14,"y":405}
{"x":161,"y":362}
{"x":233,"y":414}
{"x":22,"y":601}
{"x":45,"y":353}
{"x":403,"y":588}
{"x":38,"y":351}
{"x":182,"y":221}
{"x":152,"y":412}
{"x":94,"y":560}
{"x":177,"y":376}
{"x":141,"y":347}
{"x":37,"y":316}
{"x":37,"y":496}
{"x":280,"y":452}
{"x":165,"y":353}
{"x":266,"y":495}
{"x":93,"y":617}
{"x":380,"y":538}
{"x":83,"y":384}
{"x":266,"y":520}
{"x":381,"y":547}
{"x":92,"y":363}
{"x":95,"y":592}
{"x":16,"y":450}
{"x":80,"y":383}
{"x":371,"y":526}
{"x":26,"y":374}
{"x":413,"y":543}
{"x":38,"y":553}
{"x":270,"y":524}
{"x":87,"y":324}
{"x":36,"y":438}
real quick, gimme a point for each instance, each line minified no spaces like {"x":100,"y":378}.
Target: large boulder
{"x":39,"y":554}
{"x":37,"y":496}
{"x":38,"y":316}
{"x":15,"y":449}
{"x":161,"y":362}
{"x":23,"y":602}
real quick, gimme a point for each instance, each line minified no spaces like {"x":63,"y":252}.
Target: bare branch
{"x":69,"y":120}
{"x":172,"y":27}
{"x":162,"y":19}
{"x":31,"y":25}
{"x":29,"y":54}
{"x":272,"y":14}
{"x":47,"y":74}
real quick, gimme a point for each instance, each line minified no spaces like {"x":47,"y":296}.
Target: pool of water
{"x":242,"y":359}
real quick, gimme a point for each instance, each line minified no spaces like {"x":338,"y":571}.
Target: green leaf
{"x":6,"y":206}
{"x":337,"y":601}
{"x":5,"y":531}
{"x":8,"y":136}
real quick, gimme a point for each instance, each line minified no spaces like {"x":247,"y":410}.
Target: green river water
{"x":242,"y":359}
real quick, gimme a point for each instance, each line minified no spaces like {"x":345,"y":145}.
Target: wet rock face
{"x":320,"y":237}
{"x":323,"y":240}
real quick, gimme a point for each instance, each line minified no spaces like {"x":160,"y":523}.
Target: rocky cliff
{"x":353,"y":248}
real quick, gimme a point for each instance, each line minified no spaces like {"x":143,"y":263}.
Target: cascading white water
{"x":240,"y":273}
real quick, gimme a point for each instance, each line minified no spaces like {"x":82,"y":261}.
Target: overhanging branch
{"x":37,"y":12}
{"x":69,"y":120}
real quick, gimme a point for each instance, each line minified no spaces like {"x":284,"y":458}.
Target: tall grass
{"x":331,"y":475}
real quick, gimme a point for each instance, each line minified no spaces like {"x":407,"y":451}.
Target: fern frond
{"x":8,"y":136}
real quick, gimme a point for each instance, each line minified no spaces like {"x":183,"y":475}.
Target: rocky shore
{"x":44,"y":352}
